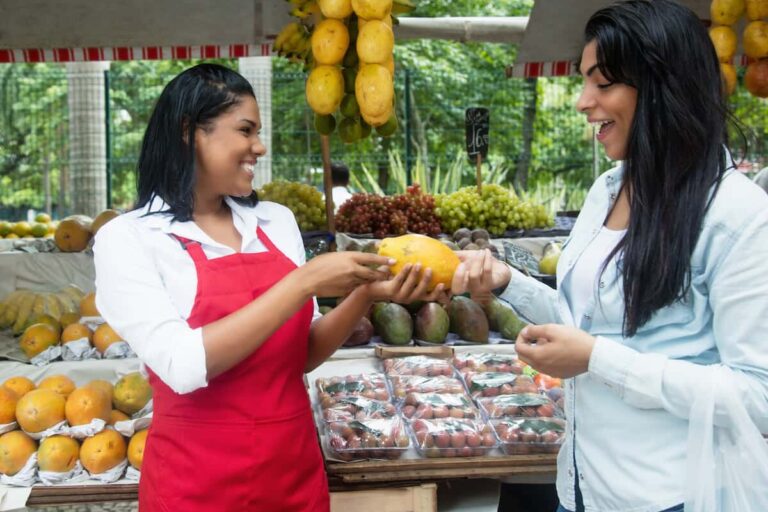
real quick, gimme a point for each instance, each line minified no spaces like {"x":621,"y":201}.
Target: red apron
{"x":247,"y":441}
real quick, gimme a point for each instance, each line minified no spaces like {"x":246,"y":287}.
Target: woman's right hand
{"x":336,"y":274}
{"x":479,"y":273}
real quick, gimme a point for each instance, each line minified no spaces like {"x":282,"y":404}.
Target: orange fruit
{"x":73,"y":233}
{"x":104,"y":336}
{"x":88,"y":305}
{"x":755,"y":39}
{"x":103,"y":218}
{"x":40,"y":409}
{"x":132,"y":392}
{"x":86,"y":404}
{"x":756,"y":78}
{"x":724,"y":39}
{"x":116,"y":415}
{"x":16,"y":448}
{"x":74,"y":332}
{"x":729,"y":77}
{"x":61,"y":384}
{"x":58,"y":454}
{"x":136,"y":448}
{"x":21,"y":385}
{"x":103,"y":385}
{"x":37,"y":338}
{"x":68,"y":319}
{"x":103,"y":451}
{"x":8,"y":401}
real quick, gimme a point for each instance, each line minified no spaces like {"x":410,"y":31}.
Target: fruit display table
{"x":45,"y":271}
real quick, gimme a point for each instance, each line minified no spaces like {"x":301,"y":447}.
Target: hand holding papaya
{"x":337,"y":274}
{"x":479,"y":272}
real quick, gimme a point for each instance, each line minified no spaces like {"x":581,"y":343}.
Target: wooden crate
{"x":421,"y":498}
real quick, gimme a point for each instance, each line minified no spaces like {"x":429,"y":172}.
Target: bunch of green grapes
{"x":496,"y":210}
{"x":305,"y":201}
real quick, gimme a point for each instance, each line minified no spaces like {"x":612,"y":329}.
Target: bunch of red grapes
{"x":384,"y":216}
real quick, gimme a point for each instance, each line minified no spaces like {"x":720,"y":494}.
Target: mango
{"x":393,"y":323}
{"x":432,"y":323}
{"x":361,"y":334}
{"x":468,"y":320}
{"x":502,"y":318}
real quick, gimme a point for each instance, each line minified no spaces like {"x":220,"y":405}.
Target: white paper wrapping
{"x":132,"y":474}
{"x":130,"y":427}
{"x":26,"y":477}
{"x":79,"y":350}
{"x":46,"y":356}
{"x":92,"y":322}
{"x":119,"y":350}
{"x":61,"y":428}
{"x":89,"y":429}
{"x":7,"y":427}
{"x":112,"y":475}
{"x":76,"y":474}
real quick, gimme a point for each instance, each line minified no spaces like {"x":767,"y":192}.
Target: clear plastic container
{"x":452,"y":437}
{"x":418,"y":365}
{"x":530,"y":435}
{"x":484,"y":384}
{"x":373,"y":386}
{"x":487,"y":362}
{"x":528,"y":405}
{"x":368,"y":439}
{"x":439,"y":405}
{"x":348,"y":408}
{"x":404,"y":384}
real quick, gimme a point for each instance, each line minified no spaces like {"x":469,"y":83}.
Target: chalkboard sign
{"x":521,"y":258}
{"x":477,"y":125}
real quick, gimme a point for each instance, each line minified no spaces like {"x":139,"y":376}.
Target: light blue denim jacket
{"x":627,"y":416}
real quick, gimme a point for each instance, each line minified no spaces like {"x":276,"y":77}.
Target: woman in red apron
{"x":244,"y":439}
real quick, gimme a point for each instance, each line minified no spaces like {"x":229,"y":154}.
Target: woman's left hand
{"x":410,"y":285}
{"x":554,"y":349}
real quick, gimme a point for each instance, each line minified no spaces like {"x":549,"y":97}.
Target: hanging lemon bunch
{"x":347,"y":47}
{"x":725,"y":14}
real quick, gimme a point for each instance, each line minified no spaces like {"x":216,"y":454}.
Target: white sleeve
{"x":301,"y":256}
{"x":738,"y":295}
{"x":132,"y":298}
{"x":532,"y":300}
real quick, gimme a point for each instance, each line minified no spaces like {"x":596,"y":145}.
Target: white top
{"x":584,"y":278}
{"x":340,"y":196}
{"x":146,"y":282}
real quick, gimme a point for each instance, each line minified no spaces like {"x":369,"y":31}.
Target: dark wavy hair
{"x":193,"y":99}
{"x":675,"y":156}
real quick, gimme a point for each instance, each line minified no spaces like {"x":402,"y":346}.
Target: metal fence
{"x":534,"y":127}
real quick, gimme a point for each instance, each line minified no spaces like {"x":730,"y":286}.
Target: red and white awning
{"x":124,"y":53}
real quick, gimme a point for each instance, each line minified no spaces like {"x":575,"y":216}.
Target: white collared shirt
{"x":146,"y":282}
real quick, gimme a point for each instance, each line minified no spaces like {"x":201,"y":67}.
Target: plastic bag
{"x":727,"y":466}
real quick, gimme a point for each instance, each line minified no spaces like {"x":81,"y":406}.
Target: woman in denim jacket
{"x":662,"y":282}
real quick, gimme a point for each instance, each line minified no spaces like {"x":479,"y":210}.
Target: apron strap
{"x":264,"y":239}
{"x":193,"y":247}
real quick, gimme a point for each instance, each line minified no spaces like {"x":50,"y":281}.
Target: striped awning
{"x":124,"y":53}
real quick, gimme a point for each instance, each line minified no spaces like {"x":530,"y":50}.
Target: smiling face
{"x":227,"y":150}
{"x":608,"y":105}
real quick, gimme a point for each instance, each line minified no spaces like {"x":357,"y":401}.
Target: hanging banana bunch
{"x":347,"y":47}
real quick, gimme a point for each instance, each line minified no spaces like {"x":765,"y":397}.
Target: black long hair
{"x":193,"y":99}
{"x":675,"y":154}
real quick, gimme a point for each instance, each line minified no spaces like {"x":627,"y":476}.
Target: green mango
{"x":393,"y":323}
{"x":432,"y":323}
{"x":468,"y":320}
